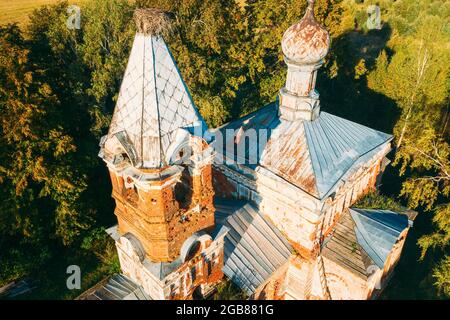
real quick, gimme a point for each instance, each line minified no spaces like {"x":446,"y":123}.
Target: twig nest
{"x":152,"y":21}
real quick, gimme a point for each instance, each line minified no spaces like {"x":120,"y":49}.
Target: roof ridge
{"x":377,"y":259}
{"x":308,"y":150}
{"x":373,"y":219}
{"x":157,"y":104}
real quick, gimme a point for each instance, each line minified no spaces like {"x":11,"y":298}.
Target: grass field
{"x":18,"y":10}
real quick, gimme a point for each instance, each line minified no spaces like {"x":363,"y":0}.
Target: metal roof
{"x":254,"y":249}
{"x":364,"y":238}
{"x":306,"y":42}
{"x":312,"y":155}
{"x":377,"y":231}
{"x":117,"y":287}
{"x":343,"y":248}
{"x":153,"y":103}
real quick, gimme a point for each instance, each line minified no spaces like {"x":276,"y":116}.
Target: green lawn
{"x":18,"y":10}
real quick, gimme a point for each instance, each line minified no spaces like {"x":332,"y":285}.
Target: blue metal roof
{"x":377,"y":231}
{"x":336,"y":144}
{"x":363,"y":238}
{"x":254,"y":249}
{"x":313,"y":155}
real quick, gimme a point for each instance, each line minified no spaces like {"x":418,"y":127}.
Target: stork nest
{"x":152,"y":21}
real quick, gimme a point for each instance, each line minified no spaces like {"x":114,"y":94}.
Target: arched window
{"x":183,"y":190}
{"x":134,"y":246}
{"x":195,"y":248}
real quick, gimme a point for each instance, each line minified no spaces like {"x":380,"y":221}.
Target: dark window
{"x":193,"y":273}
{"x":183,"y":190}
{"x":193,"y":251}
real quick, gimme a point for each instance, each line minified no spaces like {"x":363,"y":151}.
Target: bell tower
{"x":163,"y":207}
{"x":159,"y":163}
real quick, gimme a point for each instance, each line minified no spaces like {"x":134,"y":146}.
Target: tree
{"x":50,"y":174}
{"x":106,"y":41}
{"x":416,"y":78}
{"x":204,"y":40}
{"x":267,"y":20}
{"x":39,"y":185}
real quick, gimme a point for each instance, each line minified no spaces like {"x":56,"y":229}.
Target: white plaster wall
{"x":132,"y":267}
{"x":178,"y":280}
{"x":342,"y":284}
{"x":297,"y":278}
{"x":294,"y":212}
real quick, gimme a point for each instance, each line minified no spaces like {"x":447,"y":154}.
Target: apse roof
{"x":377,"y":231}
{"x":364,"y":238}
{"x":153,"y":102}
{"x":313,"y":155}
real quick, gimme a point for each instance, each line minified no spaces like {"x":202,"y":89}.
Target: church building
{"x":265,"y":201}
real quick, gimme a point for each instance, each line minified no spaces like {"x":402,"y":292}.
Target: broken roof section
{"x":364,"y":238}
{"x":254,"y":249}
{"x":312,"y":155}
{"x":153,"y":104}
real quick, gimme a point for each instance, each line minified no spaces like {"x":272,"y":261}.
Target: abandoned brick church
{"x":268,"y":206}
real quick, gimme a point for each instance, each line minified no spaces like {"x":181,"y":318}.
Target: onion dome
{"x":306,"y":42}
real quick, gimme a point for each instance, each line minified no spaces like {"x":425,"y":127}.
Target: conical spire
{"x":309,"y":14}
{"x":154,"y":102}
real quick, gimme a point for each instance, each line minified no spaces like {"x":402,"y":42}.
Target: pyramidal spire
{"x":154,"y":102}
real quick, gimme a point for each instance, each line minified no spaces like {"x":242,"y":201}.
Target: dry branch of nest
{"x":152,"y":21}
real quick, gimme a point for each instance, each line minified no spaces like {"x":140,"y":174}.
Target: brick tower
{"x":165,"y":206}
{"x":159,"y":164}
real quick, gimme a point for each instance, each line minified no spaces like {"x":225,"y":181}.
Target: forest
{"x":58,"y":88}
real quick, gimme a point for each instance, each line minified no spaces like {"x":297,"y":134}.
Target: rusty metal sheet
{"x":312,"y":155}
{"x":307,"y":41}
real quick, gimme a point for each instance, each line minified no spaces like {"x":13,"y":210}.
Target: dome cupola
{"x":304,"y":45}
{"x":306,"y":42}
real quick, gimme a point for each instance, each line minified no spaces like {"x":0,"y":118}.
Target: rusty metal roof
{"x":254,"y":249}
{"x":153,"y":102}
{"x":312,"y":155}
{"x":306,"y":42}
{"x":342,"y":247}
